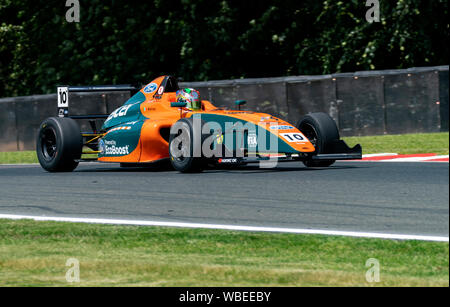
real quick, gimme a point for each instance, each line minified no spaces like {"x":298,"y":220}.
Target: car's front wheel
{"x":321,"y":130}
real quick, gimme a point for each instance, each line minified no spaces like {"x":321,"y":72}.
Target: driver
{"x":191,"y":97}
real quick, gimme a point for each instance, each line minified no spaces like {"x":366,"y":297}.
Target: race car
{"x":162,"y":122}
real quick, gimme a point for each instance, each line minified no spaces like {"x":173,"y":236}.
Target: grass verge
{"x":35,"y":254}
{"x":18,"y":157}
{"x":402,"y":144}
{"x":25,"y":157}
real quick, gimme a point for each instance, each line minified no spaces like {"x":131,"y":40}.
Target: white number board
{"x":63,"y":97}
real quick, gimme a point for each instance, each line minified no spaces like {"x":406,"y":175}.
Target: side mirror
{"x":178,"y":104}
{"x":240,"y":103}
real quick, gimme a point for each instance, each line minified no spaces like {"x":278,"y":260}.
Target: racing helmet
{"x":191,"y":97}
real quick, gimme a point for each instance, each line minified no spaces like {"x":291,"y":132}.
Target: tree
{"x":117,"y":41}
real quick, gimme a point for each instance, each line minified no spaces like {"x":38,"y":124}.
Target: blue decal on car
{"x":150,"y":88}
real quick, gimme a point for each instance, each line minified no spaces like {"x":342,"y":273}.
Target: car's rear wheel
{"x":185,"y":146}
{"x":59,"y":144}
{"x":322,"y":132}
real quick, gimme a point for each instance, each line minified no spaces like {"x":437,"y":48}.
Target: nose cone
{"x":308,"y":147}
{"x":290,"y":135}
{"x":297,"y":141}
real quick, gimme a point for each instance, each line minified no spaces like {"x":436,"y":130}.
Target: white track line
{"x":229,"y":227}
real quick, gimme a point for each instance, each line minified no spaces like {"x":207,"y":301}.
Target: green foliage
{"x":120,"y":41}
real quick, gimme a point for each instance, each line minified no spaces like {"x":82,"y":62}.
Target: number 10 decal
{"x":63,"y":97}
{"x":293,"y":137}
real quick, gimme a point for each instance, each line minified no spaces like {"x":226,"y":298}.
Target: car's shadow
{"x":251,"y":169}
{"x":242,"y":169}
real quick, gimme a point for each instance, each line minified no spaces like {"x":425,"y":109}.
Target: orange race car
{"x":162,"y":121}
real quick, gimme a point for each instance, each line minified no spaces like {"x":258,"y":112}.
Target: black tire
{"x":59,"y":144}
{"x":185,"y":153}
{"x":322,"y":131}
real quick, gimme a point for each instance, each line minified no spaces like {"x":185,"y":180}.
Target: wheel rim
{"x":311,"y":134}
{"x":48,"y":143}
{"x":180,"y":151}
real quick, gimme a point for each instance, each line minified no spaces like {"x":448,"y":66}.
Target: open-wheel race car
{"x":163,"y":122}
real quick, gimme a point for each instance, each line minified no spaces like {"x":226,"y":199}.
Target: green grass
{"x":35,"y":254}
{"x":18,"y":157}
{"x":403,"y":144}
{"x":25,"y":157}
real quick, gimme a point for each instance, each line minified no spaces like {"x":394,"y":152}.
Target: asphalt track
{"x":400,"y":198}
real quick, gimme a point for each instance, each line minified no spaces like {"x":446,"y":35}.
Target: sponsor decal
{"x":252,"y":140}
{"x":239,"y":112}
{"x":281,"y":127}
{"x":150,"y":88}
{"x":231,"y":160}
{"x":110,"y":142}
{"x":101,"y":147}
{"x":269,"y":119}
{"x":112,"y":150}
{"x":295,"y":137}
{"x":119,"y":129}
{"x":122,"y":111}
{"x":117,"y":151}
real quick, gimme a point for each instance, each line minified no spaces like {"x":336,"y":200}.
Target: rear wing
{"x":63,"y":97}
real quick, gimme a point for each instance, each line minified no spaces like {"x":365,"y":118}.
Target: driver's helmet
{"x":191,"y":97}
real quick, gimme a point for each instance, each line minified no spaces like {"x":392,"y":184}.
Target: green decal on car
{"x":121,"y":140}
{"x":251,"y":140}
